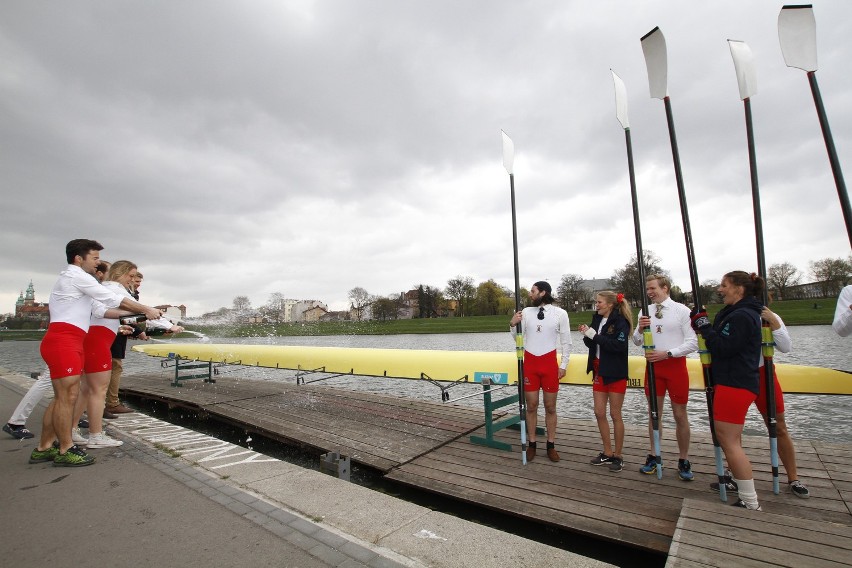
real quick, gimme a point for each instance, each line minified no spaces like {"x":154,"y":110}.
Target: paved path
{"x":172,"y":496}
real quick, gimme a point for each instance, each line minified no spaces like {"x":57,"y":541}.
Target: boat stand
{"x":492,"y":427}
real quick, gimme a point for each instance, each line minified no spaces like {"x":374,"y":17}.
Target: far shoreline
{"x":793,"y":312}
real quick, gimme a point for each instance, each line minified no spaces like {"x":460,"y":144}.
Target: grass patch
{"x":166,"y":450}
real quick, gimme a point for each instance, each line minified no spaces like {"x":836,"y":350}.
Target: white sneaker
{"x":78,"y":438}
{"x":102,"y":440}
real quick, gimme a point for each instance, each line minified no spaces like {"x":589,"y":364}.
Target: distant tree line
{"x":463,"y":297}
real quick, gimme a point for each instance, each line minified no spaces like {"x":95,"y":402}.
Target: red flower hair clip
{"x":619,"y":297}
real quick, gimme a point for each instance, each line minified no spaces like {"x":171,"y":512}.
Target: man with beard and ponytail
{"x":545,"y":328}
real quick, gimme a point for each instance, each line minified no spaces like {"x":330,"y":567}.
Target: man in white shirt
{"x":673,"y":339}
{"x":72,"y":303}
{"x":842,"y":323}
{"x":545,"y":328}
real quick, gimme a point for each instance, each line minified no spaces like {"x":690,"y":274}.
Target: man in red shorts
{"x":674,"y":338}
{"x":545,"y":328}
{"x":71,"y":307}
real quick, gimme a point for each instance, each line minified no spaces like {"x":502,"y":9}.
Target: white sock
{"x":747,"y":492}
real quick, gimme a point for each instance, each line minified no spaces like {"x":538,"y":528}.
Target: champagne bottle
{"x":131,"y":320}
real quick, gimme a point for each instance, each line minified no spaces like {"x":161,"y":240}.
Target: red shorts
{"x":541,"y":372}
{"x":730,"y":404}
{"x":96,"y":349}
{"x":619,"y":386}
{"x":761,"y":398}
{"x":62,"y":350}
{"x":670,"y":375}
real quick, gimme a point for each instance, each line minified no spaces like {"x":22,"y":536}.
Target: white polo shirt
{"x":672,"y":332}
{"x":541,"y":336}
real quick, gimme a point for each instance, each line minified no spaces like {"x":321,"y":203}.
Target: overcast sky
{"x":245,"y":148}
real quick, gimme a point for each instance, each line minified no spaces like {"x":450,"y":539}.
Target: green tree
{"x":429,"y":299}
{"x":488,"y":296}
{"x":570,"y":293}
{"x":461,"y":290}
{"x":274,"y":308}
{"x":242,"y":304}
{"x":831,"y":274}
{"x":781,"y":276}
{"x":626,"y":280}
{"x":385,"y":309}
{"x":359,"y":299}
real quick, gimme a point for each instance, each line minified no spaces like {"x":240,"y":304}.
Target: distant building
{"x":26,"y":308}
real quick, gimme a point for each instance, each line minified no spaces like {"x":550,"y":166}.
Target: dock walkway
{"x":426,"y":445}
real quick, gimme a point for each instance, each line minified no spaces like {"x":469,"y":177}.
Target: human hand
{"x":516,"y":319}
{"x":644,"y":321}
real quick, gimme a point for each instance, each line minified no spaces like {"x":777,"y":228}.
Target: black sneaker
{"x":602,"y":459}
{"x":17,"y":431}
{"x":730,"y":484}
{"x":799,"y":490}
{"x":616,"y":464}
{"x":83,"y":423}
{"x":741,"y":504}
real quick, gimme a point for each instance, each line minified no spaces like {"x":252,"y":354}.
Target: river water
{"x":818,"y":417}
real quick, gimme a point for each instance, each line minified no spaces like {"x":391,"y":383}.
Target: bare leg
{"x":98,"y":383}
{"x":786,"y":449}
{"x":682,"y":431}
{"x":65,"y":392}
{"x":730,"y":438}
{"x":660,"y":401}
{"x":550,"y":415}
{"x":616,"y":400}
{"x":532,"y":413}
{"x":600,"y":400}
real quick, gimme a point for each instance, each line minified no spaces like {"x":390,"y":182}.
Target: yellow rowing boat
{"x":472,"y":366}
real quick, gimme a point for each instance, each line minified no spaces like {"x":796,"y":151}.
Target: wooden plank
{"x":721,"y":536}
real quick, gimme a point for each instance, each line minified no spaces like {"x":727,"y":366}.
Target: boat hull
{"x":472,"y":366}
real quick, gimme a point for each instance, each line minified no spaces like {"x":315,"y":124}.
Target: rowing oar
{"x":508,"y":163}
{"x":797,"y":35}
{"x":648,"y":338}
{"x":654,"y":49}
{"x":747,"y":81}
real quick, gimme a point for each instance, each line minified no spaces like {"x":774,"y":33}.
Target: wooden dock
{"x":427,"y":445}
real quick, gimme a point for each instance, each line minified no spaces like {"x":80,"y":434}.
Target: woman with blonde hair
{"x":607,"y":339}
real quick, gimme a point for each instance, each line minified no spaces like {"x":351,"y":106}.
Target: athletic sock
{"x":551,"y":445}
{"x":531,"y":444}
{"x":746,"y":491}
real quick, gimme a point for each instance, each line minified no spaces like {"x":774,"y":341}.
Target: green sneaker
{"x":74,"y":457}
{"x":42,"y":456}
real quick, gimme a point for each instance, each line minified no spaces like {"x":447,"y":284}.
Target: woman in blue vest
{"x":607,"y":339}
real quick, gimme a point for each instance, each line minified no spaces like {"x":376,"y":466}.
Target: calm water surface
{"x":819,"y":417}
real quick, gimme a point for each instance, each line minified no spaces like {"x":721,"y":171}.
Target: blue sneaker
{"x":650,"y":466}
{"x":684,"y":470}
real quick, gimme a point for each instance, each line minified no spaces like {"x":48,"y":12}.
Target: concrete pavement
{"x":172,"y":496}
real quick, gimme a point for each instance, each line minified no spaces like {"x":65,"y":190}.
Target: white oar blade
{"x":744,"y":66}
{"x":656,"y":60}
{"x":797,"y":34}
{"x":508,"y":153}
{"x":620,"y":100}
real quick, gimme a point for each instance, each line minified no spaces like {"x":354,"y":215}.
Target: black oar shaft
{"x":832,"y":154}
{"x":522,"y":405}
{"x":684,"y":211}
{"x":767,"y":350}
